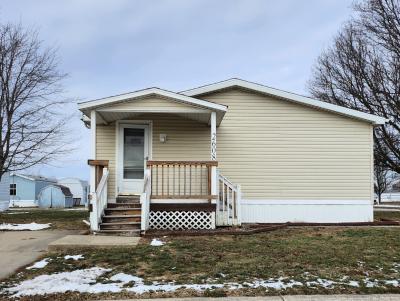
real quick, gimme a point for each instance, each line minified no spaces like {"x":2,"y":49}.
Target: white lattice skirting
{"x":179,"y":220}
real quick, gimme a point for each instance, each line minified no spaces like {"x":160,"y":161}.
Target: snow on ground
{"x":79,"y":281}
{"x":156,"y":243}
{"x":39,"y":264}
{"x":31,"y":226}
{"x":74,"y":257}
{"x":16,"y":212}
{"x":87,"y":281}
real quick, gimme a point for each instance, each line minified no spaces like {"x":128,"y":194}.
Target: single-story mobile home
{"x":226,"y":153}
{"x":24,"y":189}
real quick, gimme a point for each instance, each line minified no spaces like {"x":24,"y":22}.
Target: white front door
{"x":133,"y":154}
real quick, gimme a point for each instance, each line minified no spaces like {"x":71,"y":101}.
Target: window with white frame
{"x":13,"y":189}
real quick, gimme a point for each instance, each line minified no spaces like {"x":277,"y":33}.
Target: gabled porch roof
{"x":136,"y":103}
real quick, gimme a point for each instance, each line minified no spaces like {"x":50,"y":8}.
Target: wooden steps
{"x":122,"y":217}
{"x":128,"y":232}
{"x":124,"y":205}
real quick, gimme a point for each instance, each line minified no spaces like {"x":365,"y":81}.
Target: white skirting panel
{"x":23,"y":203}
{"x":308,"y":211}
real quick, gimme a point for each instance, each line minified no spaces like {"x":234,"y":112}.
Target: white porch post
{"x":93,"y":200}
{"x":214,"y":180}
{"x":213,"y":123}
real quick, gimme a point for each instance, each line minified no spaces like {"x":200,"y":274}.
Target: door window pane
{"x":133,"y":153}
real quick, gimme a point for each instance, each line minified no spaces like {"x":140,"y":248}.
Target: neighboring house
{"x":79,"y":189}
{"x":392,"y":194}
{"x":227,"y":153}
{"x":5,"y":191}
{"x":55,"y":196}
{"x":24,"y":189}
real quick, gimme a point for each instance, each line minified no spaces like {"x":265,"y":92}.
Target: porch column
{"x":213,"y":122}
{"x":214,"y":180}
{"x":94,"y":225}
{"x":93,"y":150}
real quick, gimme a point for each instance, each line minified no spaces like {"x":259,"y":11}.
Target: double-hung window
{"x":13,"y":189}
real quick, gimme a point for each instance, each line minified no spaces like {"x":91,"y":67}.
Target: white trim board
{"x":305,"y":202}
{"x":235,"y":82}
{"x":179,"y":201}
{"x":87,"y":105}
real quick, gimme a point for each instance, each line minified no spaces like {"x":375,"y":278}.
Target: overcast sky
{"x":116,"y":46}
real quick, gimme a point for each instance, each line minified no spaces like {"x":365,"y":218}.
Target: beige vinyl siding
{"x":276,"y":149}
{"x":105,"y":150}
{"x":186,"y":140}
{"x":155,"y":103}
{"x":279,"y":150}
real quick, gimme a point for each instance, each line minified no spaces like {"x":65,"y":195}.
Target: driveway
{"x":19,"y":248}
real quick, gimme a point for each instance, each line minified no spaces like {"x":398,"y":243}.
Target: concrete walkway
{"x":288,"y":298}
{"x":93,"y":242}
{"x":19,"y":248}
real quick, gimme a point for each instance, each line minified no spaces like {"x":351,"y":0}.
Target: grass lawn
{"x":59,"y":218}
{"x":357,"y":260}
{"x":393,"y":215}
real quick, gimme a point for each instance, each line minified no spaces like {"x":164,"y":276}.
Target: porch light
{"x":163,"y":138}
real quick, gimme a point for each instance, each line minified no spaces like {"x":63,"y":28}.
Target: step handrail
{"x":229,"y":202}
{"x":145,"y":200}
{"x":99,"y":201}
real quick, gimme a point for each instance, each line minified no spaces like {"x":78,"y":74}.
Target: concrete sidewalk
{"x":19,"y":248}
{"x":92,"y":242}
{"x":385,"y":297}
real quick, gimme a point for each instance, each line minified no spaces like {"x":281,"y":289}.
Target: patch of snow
{"x":371,"y":283}
{"x":156,"y":243}
{"x":85,"y":281}
{"x":170,"y":287}
{"x":15,"y":212}
{"x":278,"y":284}
{"x":19,"y":227}
{"x":126,"y":278}
{"x":396,"y":267}
{"x":78,"y":281}
{"x":39,"y":264}
{"x":325,"y":283}
{"x":392,"y":282}
{"x":74,"y":257}
{"x":353,"y":283}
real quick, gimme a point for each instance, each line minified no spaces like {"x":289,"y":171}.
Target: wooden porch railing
{"x":182,"y":179}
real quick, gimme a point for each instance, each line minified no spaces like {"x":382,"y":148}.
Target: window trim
{"x":13,"y":188}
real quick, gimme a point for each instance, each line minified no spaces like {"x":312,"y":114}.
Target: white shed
{"x":79,"y":189}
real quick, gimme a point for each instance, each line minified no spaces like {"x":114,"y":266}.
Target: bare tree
{"x":383,"y":177}
{"x":382,"y":180}
{"x":31,"y":117}
{"x":361,"y":70}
